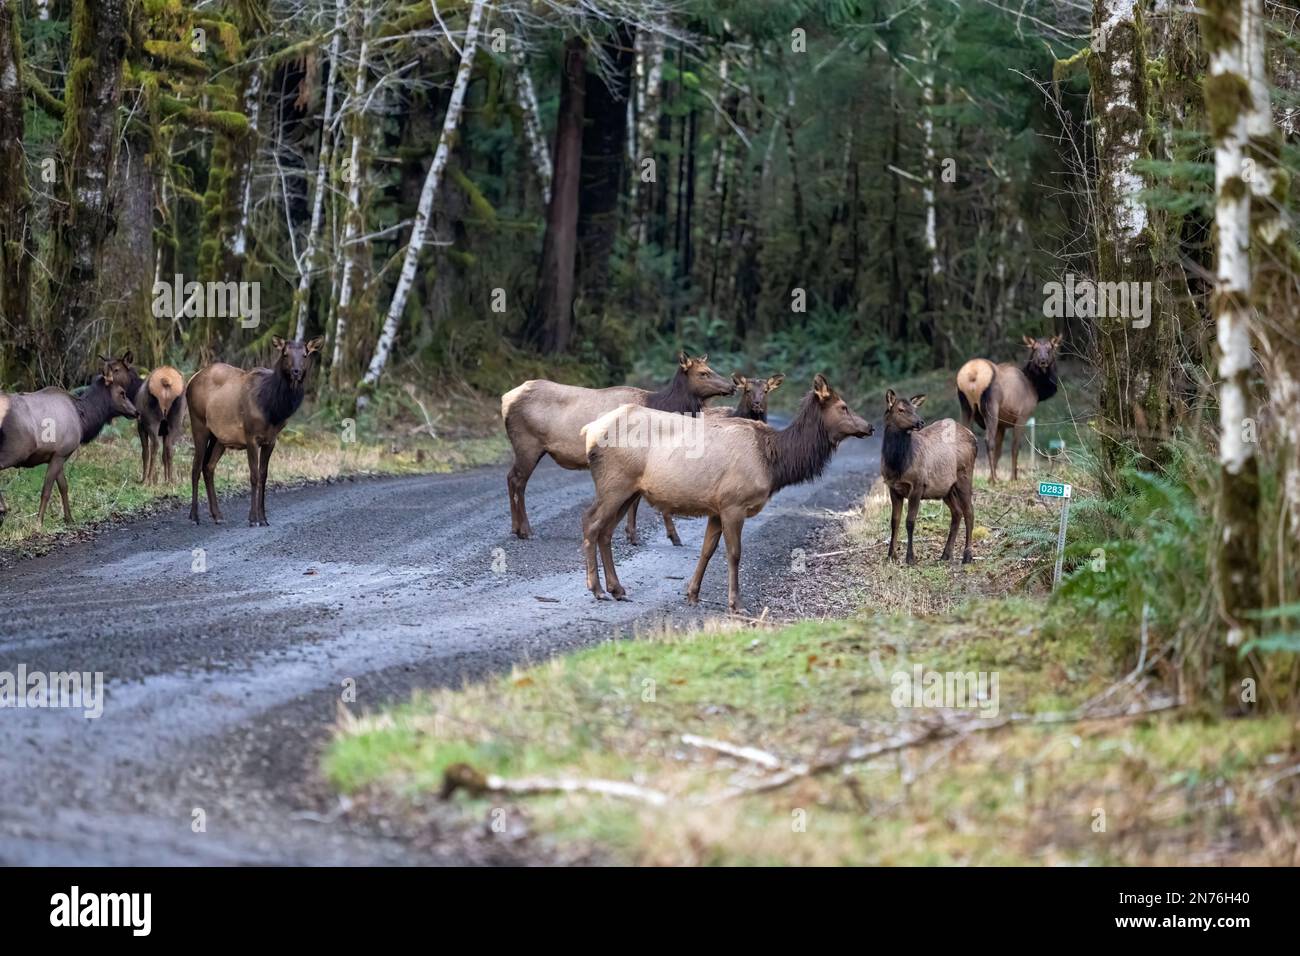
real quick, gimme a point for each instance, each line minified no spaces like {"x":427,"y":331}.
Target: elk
{"x":998,"y":397}
{"x":232,"y":408}
{"x":727,"y":470}
{"x":160,"y":400}
{"x":752,"y":405}
{"x":920,"y":462}
{"x":46,"y":427}
{"x":546,"y":418}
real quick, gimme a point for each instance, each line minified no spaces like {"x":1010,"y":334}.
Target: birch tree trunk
{"x":307,"y":265}
{"x":353,"y":219}
{"x":16,"y":328}
{"x":429,"y":192}
{"x":537,"y":148}
{"x":1226,"y":30}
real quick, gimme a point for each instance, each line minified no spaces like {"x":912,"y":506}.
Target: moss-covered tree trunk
{"x":18,"y":334}
{"x":1227,"y":27}
{"x":87,"y":154}
{"x":1134,"y":349}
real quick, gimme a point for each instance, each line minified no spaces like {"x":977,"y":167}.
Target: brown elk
{"x":47,"y":427}
{"x":728,"y":470}
{"x":232,"y":408}
{"x":546,"y":418}
{"x":920,"y":462}
{"x":998,"y":397}
{"x":752,"y":405}
{"x":160,"y":400}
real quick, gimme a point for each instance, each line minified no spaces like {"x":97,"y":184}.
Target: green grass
{"x":1169,"y":788}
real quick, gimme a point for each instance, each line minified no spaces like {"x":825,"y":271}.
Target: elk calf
{"x":727,"y":470}
{"x":998,"y":397}
{"x":231,"y":408}
{"x":546,"y":418}
{"x":920,"y":462}
{"x":46,"y":427}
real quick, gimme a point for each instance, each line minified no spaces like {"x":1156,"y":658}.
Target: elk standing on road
{"x":728,"y":470}
{"x":546,"y":418}
{"x":46,"y":427}
{"x":920,"y":462}
{"x":998,"y":397}
{"x":231,"y":408}
{"x":752,"y":405}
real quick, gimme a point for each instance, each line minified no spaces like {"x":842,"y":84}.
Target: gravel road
{"x":222,"y":686}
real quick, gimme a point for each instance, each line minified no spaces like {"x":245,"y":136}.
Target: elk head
{"x":295,"y":358}
{"x":702,"y":381}
{"x":756,"y":391}
{"x":1042,"y":352}
{"x":117,"y":394}
{"x":900,"y":413}
{"x":120,"y":369}
{"x":841,"y":422}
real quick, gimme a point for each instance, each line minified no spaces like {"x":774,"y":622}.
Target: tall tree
{"x":17,"y":358}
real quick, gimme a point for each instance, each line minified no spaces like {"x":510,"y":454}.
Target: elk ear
{"x":127,"y":358}
{"x":316,"y":344}
{"x":1056,"y":341}
{"x":683,"y":359}
{"x":703,"y":359}
{"x":278,"y":343}
{"x":1029,"y":341}
{"x":917,"y":401}
{"x":774,"y":382}
{"x":105,"y":359}
{"x":822,"y":388}
{"x":890,"y":398}
{"x":739,"y":380}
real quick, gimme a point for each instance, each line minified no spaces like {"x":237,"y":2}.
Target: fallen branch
{"x":463,"y":776}
{"x":752,"y":754}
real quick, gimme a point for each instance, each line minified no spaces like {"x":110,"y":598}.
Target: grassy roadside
{"x":1145,"y":788}
{"x":316,"y":445}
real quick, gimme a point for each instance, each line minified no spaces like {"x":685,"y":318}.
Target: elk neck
{"x":95,"y":409}
{"x":1044,"y":383}
{"x":676,"y":396}
{"x":277,"y":398}
{"x":799,"y":452}
{"x":896,"y":451}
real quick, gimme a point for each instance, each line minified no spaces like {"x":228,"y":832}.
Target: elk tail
{"x":974,"y":382}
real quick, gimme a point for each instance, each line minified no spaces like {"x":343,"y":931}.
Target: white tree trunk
{"x":1123,"y":181}
{"x":353,"y":210}
{"x":927,"y":128}
{"x":253,"y":110}
{"x":307,"y":264}
{"x":537,"y":148}
{"x":425,"y":209}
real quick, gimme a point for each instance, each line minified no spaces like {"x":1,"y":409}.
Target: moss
{"x":1226,"y":96}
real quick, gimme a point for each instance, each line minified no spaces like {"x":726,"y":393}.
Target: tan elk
{"x":725,"y":469}
{"x":920,"y":462}
{"x":47,"y":427}
{"x":160,"y":400}
{"x":232,"y":408}
{"x":752,"y":405}
{"x":998,"y":397}
{"x":546,"y":418}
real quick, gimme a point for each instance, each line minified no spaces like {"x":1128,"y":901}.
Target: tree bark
{"x":433,"y":179}
{"x":552,"y":314}
{"x":17,"y":332}
{"x":88,"y":152}
{"x":537,"y":148}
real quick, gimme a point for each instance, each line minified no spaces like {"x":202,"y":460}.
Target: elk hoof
{"x":619,"y":594}
{"x":264,"y":523}
{"x":523,"y":534}
{"x":677,"y":542}
{"x":911,"y":559}
{"x":967,"y":558}
{"x":632,"y":538}
{"x":600,"y":595}
{"x":693,"y":598}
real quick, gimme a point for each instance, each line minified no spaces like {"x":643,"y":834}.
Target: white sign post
{"x":1056,"y":489}
{"x":1033,"y":444}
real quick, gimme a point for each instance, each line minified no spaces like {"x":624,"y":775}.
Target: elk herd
{"x":668,"y":446}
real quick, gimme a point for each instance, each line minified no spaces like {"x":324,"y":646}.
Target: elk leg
{"x":52,"y":472}
{"x":606,"y":543}
{"x":594,"y":521}
{"x":993,"y":430}
{"x":254,"y":454}
{"x":731,"y":529}
{"x":168,"y":441}
{"x":261,"y":491}
{"x":1016,"y":432}
{"x":967,"y":501}
{"x":210,"y":479}
{"x":516,"y":482}
{"x":143,"y":432}
{"x":631,"y":521}
{"x":712,"y":532}
{"x":63,"y":494}
{"x":913,"y":506}
{"x":995,"y":452}
{"x":202,"y":448}
{"x":896,"y":500}
{"x":672,"y":530}
{"x":951,"y":499}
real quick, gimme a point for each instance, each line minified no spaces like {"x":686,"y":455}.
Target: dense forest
{"x":460,"y":191}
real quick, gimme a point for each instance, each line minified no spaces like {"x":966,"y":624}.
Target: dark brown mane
{"x":799,"y":452}
{"x":675,"y":397}
{"x":896,"y":449}
{"x":94,"y":408}
{"x":277,"y":398}
{"x":1045,"y":383}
